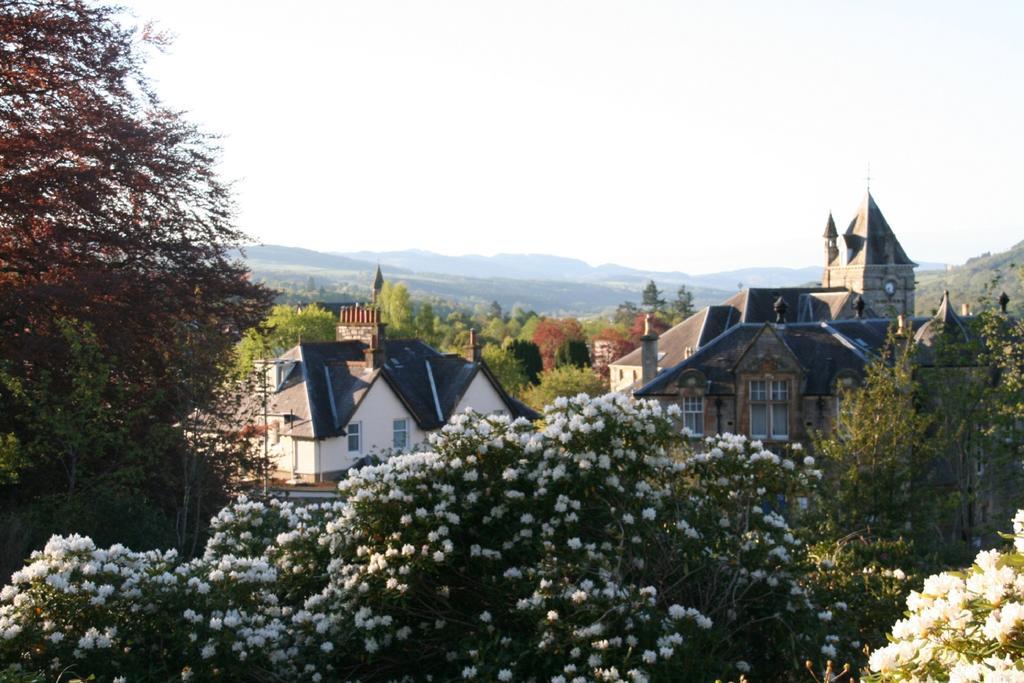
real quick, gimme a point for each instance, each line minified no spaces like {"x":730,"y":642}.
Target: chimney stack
{"x":1003,"y":301}
{"x":648,"y":352}
{"x":374,"y":353}
{"x":965,"y":309}
{"x":472,"y":350}
{"x":901,"y":324}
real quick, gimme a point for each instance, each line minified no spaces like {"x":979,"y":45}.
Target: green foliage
{"x":867,"y":580}
{"x":396,"y":309}
{"x":426,"y":324}
{"x":528,"y":355}
{"x":12,"y":459}
{"x":880,"y":458}
{"x":506,"y":368}
{"x":284,"y":328}
{"x":652,"y":299}
{"x":978,"y":282}
{"x":682,"y":307}
{"x":573,"y":352}
{"x":565,"y":381}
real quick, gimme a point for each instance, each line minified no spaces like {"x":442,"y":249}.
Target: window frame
{"x":697,"y":416}
{"x":404,"y":431}
{"x":769,"y":395}
{"x":358,"y":435}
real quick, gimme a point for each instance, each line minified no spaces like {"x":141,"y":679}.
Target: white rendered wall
{"x":482,"y":397}
{"x":379,"y":408}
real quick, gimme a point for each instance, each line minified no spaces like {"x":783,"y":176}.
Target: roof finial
{"x":868,"y":178}
{"x":780,"y":310}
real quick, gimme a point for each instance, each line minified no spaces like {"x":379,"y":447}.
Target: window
{"x":400,"y":430}
{"x":355,"y":437}
{"x":769,"y":409}
{"x":693,"y":414}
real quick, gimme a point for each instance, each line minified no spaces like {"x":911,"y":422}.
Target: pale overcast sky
{"x":693,"y":136}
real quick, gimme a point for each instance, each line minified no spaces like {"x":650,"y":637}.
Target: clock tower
{"x":871,"y":262}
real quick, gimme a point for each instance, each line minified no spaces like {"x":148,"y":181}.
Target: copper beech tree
{"x":111,"y":216}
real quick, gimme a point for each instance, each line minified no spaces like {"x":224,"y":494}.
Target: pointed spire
{"x":945,"y":313}
{"x":870,"y":240}
{"x":945,"y":321}
{"x":378,"y":284}
{"x":830,"y":228}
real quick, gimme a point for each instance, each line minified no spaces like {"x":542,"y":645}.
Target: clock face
{"x":889,"y":287}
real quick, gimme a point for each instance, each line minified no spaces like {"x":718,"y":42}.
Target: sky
{"x":690,"y":136}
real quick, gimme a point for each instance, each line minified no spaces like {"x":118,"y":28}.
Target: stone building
{"x":872,"y":262}
{"x":871,"y":279}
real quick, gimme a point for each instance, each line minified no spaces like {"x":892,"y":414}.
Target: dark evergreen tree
{"x":573,"y":352}
{"x":683,"y":305}
{"x":528,"y":355}
{"x":652,"y":299}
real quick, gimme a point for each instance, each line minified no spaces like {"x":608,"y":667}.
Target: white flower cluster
{"x":967,"y":626}
{"x":608,"y":556}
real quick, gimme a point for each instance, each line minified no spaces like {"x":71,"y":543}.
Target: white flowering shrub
{"x":962,"y":626}
{"x":585,"y":548}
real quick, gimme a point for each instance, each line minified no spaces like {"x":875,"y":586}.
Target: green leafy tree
{"x":573,"y":352}
{"x":506,"y":368}
{"x":565,"y":381}
{"x":528,"y":355}
{"x":880,"y":457}
{"x":396,"y":309}
{"x":652,"y":298}
{"x":529,"y":328}
{"x":283,"y":329}
{"x":426,"y":324}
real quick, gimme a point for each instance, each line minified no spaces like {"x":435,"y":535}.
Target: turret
{"x":831,"y":248}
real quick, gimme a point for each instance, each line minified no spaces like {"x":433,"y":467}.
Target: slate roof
{"x":823,"y":350}
{"x":694,"y":332}
{"x":870,"y":240}
{"x":753,"y":305}
{"x":324,"y":382}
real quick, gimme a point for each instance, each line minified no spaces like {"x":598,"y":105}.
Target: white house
{"x":332,"y":404}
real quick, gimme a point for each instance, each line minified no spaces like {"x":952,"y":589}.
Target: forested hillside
{"x":978,"y":282}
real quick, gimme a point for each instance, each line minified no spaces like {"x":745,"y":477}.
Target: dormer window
{"x":769,"y":409}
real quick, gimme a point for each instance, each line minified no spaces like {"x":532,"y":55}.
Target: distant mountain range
{"x":547,"y":267}
{"x":548,"y":284}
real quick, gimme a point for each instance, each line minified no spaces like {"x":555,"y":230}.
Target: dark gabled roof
{"x":870,"y":240}
{"x":326,"y":381}
{"x":753,"y":305}
{"x":759,"y":303}
{"x":692,"y":333}
{"x":823,"y":350}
